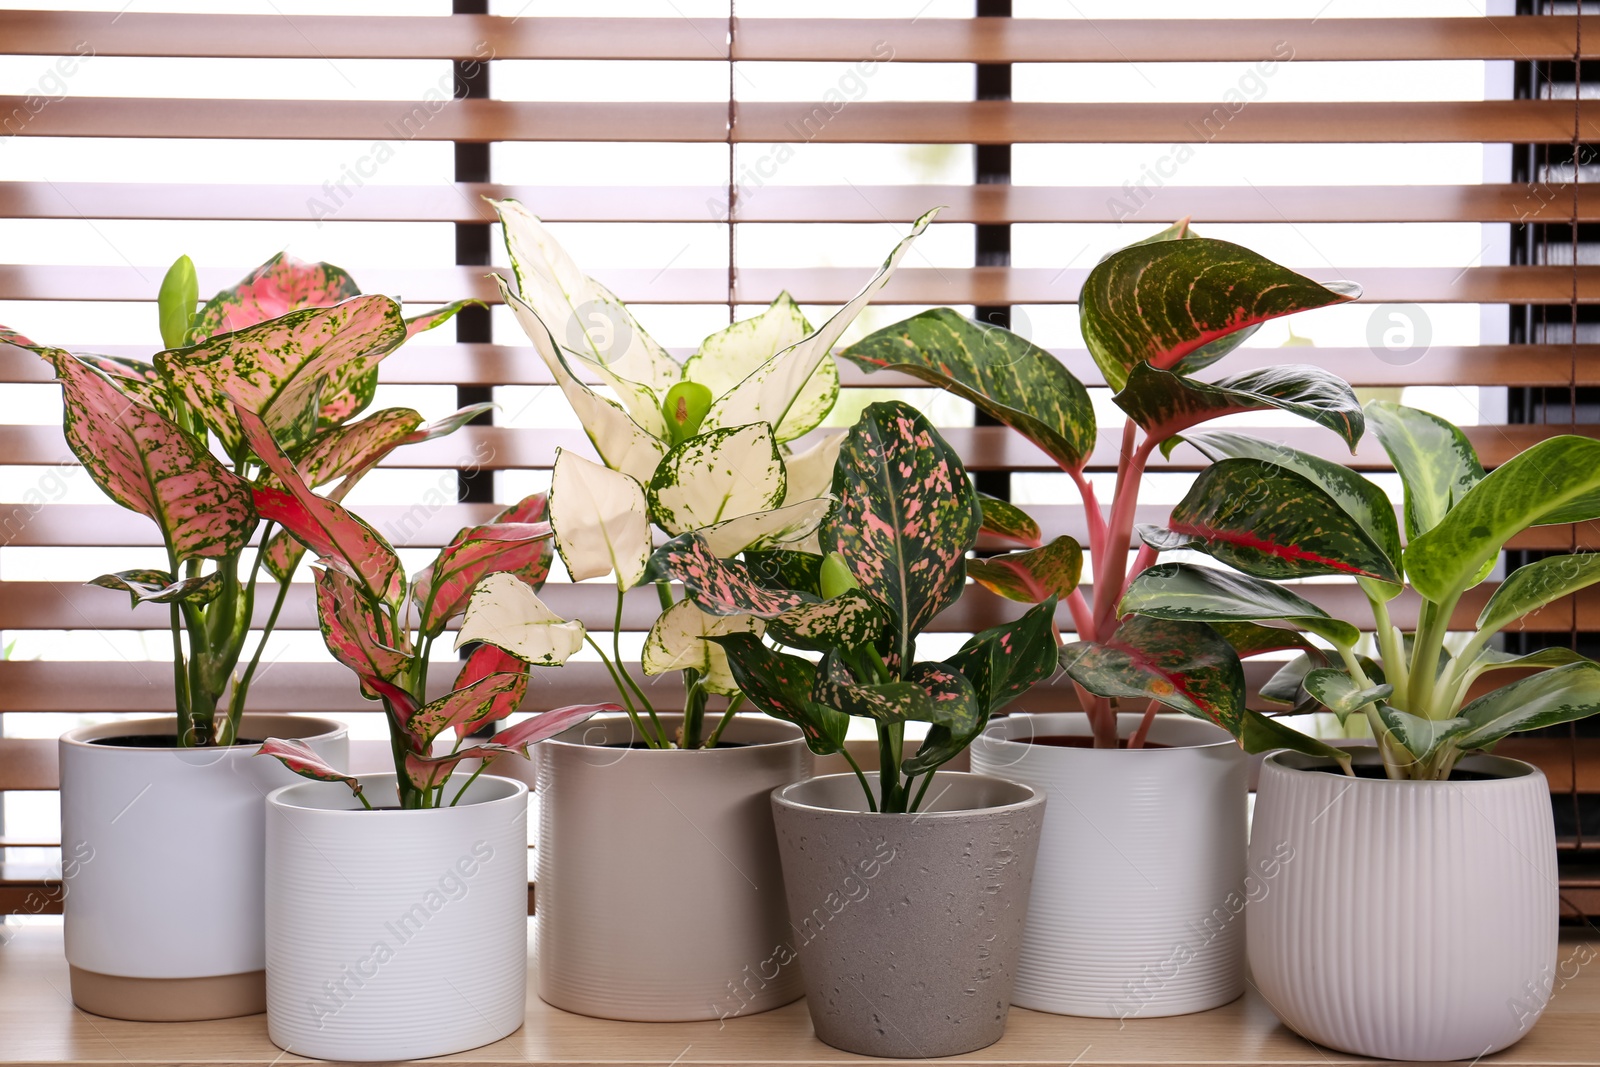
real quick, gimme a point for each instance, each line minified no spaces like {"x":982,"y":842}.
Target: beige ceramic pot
{"x":660,"y":895}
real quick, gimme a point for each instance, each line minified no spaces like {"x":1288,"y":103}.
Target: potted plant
{"x":1134,"y":899}
{"x":926,"y":968}
{"x":1422,"y":834}
{"x":368,"y":903}
{"x":174,"y":802}
{"x":705,"y":446}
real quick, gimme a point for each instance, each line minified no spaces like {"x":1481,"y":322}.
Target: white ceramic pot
{"x":163,"y":911}
{"x":394,"y":934}
{"x":660,"y":893}
{"x":1407,"y":920}
{"x":1139,"y":893}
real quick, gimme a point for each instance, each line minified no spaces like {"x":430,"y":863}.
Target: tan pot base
{"x":169,"y":1000}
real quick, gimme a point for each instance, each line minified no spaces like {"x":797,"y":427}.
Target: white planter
{"x":163,"y":911}
{"x":394,"y":934}
{"x":1139,"y":892}
{"x":660,"y":892}
{"x":1409,"y":920}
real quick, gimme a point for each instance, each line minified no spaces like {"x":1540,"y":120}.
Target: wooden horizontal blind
{"x":700,"y":161}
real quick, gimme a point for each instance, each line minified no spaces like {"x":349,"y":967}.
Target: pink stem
{"x":1082,"y":617}
{"x":1141,"y":563}
{"x":1137,"y":740}
{"x":1091,"y":513}
{"x":1113,"y":567}
{"x":1102,"y":719}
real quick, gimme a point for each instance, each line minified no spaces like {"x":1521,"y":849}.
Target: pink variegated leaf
{"x":303,"y":760}
{"x":340,"y":539}
{"x":12,"y":337}
{"x":286,"y":369}
{"x":437,"y":317}
{"x":429,"y":772}
{"x":450,"y":423}
{"x":356,"y":447}
{"x":718,"y":586}
{"x":484,"y":661}
{"x":147,"y":464}
{"x":133,"y":377}
{"x":517,"y":542}
{"x":493,"y":696}
{"x":356,"y":633}
{"x":280,"y":285}
{"x":158,"y":587}
{"x":400,"y":706}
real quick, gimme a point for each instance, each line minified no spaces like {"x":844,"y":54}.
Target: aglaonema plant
{"x":1271,"y":514}
{"x":383,"y":627}
{"x":299,"y":345}
{"x":1154,"y":316}
{"x":704,"y":446}
{"x":892,"y":557}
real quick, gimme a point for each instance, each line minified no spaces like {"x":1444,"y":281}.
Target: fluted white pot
{"x":166,"y":859}
{"x":1409,"y":920}
{"x":395,"y":934}
{"x":660,"y":889}
{"x":1139,"y":893}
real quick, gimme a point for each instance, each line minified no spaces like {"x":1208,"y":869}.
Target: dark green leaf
{"x":1004,"y":519}
{"x":1249,"y":639}
{"x":1184,"y":665}
{"x":1545,"y":699}
{"x":778,"y":568}
{"x":1159,"y":303}
{"x":1006,"y":376}
{"x":905,"y":519}
{"x":1533,"y":585}
{"x":780,"y":685}
{"x":1436,"y":463}
{"x":1005,"y":661}
{"x":930,"y":692}
{"x":1263,"y":734}
{"x":1272,"y":522}
{"x":157,"y":587}
{"x":1167,"y":404}
{"x":1033,"y":574}
{"x":1191,"y":593}
{"x":1287,"y":685}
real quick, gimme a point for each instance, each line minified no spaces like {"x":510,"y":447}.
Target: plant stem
{"x":1390,"y":647}
{"x":365,"y":803}
{"x":622,"y":668}
{"x":180,"y":684}
{"x":1082,"y":616}
{"x":1091,"y":511}
{"x":694,"y":711}
{"x":622,"y":690}
{"x":241,"y":687}
{"x":1429,"y":643}
{"x":473,"y":778}
{"x":1137,"y":740}
{"x":854,"y":766}
{"x":1112,"y":569}
{"x":734,"y":703}
{"x":915,"y":804}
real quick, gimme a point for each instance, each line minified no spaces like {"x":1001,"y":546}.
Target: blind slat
{"x":982,"y":122}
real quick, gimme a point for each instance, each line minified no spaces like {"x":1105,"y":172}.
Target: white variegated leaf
{"x":678,"y":642}
{"x":769,"y":393}
{"x":729,"y":356}
{"x":506,"y":613}
{"x":586,"y":318}
{"x":766,"y":529}
{"x":717,"y":476}
{"x":622,"y":443}
{"x":811,"y":470}
{"x":601,"y":520}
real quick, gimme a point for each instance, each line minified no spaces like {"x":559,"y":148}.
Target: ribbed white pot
{"x":1139,"y":892}
{"x":165,"y":849}
{"x":393,"y":934}
{"x":660,"y":889}
{"x":1407,"y":920}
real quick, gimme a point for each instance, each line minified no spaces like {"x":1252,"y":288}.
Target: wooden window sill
{"x":38,"y":1025}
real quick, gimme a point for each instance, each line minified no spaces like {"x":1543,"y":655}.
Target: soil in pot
{"x":160,"y":741}
{"x":1378,"y":773}
{"x":1069,"y":741}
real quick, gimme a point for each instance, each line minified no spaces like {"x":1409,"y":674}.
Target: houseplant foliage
{"x":383,"y":628}
{"x":1272,"y":513}
{"x":1154,"y":316}
{"x":894,"y":547}
{"x":299,"y":345}
{"x":703,"y":447}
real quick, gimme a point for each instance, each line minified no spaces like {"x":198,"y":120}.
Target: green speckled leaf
{"x":786,"y":569}
{"x":1249,"y":639}
{"x":1340,"y":694}
{"x":1005,"y":375}
{"x":780,"y":685}
{"x":850,"y":620}
{"x":717,"y":476}
{"x":1160,"y":302}
{"x":480,"y":701}
{"x":1190,"y":593}
{"x":1436,"y":463}
{"x":1259,"y":733}
{"x":1491,"y":659}
{"x":1167,"y":404}
{"x":157,"y":587}
{"x":906,"y":518}
{"x":720,"y":586}
{"x":1419,"y":736}
{"x":1183,"y":665}
{"x":1002,"y":518}
{"x":1533,"y":585}
{"x":930,"y":692}
{"x":1557,"y":480}
{"x":1005,"y":661}
{"x":1271,"y":522}
{"x":1032,"y":575}
{"x":1545,"y":699}
{"x":356,"y":446}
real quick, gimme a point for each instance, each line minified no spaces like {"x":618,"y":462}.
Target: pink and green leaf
{"x":9,"y":336}
{"x":1271,"y":522}
{"x":1032,"y":575}
{"x":906,"y":517}
{"x":781,"y":685}
{"x":1002,"y":518}
{"x":930,"y":692}
{"x":1187,"y":666}
{"x":1162,"y":302}
{"x":719,"y":586}
{"x":493,"y":696}
{"x":339,"y":538}
{"x":147,"y":464}
{"x":286,"y":370}
{"x":354,"y":448}
{"x":442,"y":589}
{"x":280,"y":285}
{"x":428,"y":772}
{"x":850,"y":620}
{"x":1005,"y":375}
{"x":1005,"y":661}
{"x":357,"y":633}
{"x":158,"y":587}
{"x":437,"y":317}
{"x":303,"y":760}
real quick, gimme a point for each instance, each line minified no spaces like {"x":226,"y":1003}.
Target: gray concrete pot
{"x":907,"y":927}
